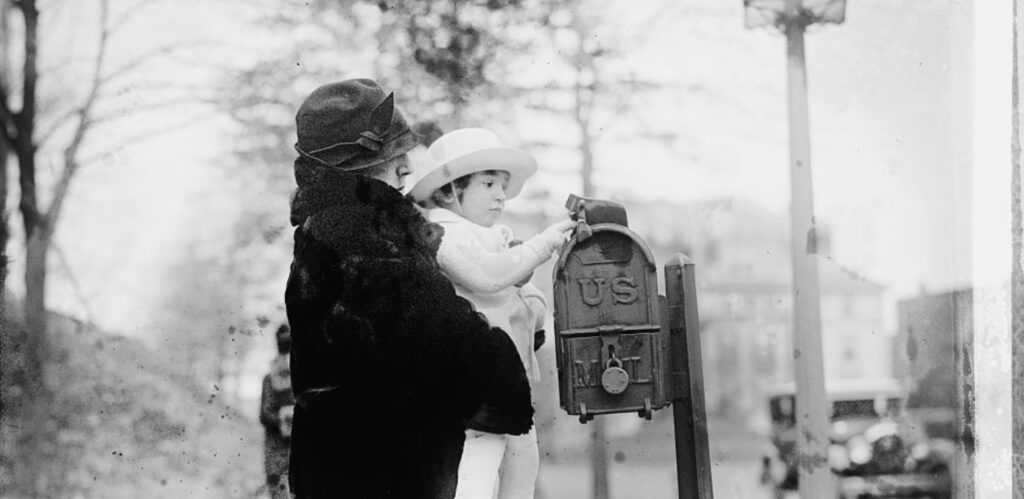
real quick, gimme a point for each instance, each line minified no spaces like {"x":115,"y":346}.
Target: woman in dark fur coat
{"x":387,"y":362}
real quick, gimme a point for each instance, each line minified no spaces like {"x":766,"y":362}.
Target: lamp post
{"x":792,"y":17}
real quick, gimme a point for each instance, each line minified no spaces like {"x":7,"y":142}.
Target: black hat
{"x":352,"y":125}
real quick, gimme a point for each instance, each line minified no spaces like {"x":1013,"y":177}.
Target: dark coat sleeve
{"x":391,"y":313}
{"x":467,"y":362}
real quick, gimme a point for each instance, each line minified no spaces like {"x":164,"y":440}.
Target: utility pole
{"x":792,"y":17}
{"x":812,"y":421}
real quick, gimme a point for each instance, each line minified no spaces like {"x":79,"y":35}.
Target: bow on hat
{"x":370,"y":140}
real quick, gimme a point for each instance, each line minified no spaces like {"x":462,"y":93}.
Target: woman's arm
{"x":473,"y":362}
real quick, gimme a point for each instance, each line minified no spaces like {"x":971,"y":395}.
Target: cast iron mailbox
{"x":609,"y":343}
{"x":620,"y":347}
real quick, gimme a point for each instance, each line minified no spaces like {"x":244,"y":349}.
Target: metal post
{"x":599,"y":458}
{"x":815,"y":477}
{"x":693,"y":461}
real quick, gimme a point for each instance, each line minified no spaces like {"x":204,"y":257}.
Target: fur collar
{"x":353,"y":213}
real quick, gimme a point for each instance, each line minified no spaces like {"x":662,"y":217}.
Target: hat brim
{"x":519,"y":164}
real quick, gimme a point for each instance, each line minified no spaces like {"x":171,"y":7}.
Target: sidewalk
{"x":731,"y":480}
{"x":642,"y":464}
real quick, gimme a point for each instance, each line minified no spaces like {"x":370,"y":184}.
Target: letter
{"x":624,"y":290}
{"x":596,"y":294}
{"x":582,"y":374}
{"x":596,"y":369}
{"x":630,"y":365}
{"x":635,"y":372}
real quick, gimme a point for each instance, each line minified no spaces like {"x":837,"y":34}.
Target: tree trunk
{"x":458,"y":102}
{"x":583,"y":100}
{"x":34,"y":442}
{"x":35,"y":295}
{"x":36,"y":347}
{"x":33,"y":222}
{"x":587,"y":166}
{"x":5,"y":149}
{"x":4,"y":235}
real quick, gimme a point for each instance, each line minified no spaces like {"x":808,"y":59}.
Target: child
{"x":470,"y":177}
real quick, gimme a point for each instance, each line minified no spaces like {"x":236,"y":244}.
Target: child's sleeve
{"x":468,"y":264}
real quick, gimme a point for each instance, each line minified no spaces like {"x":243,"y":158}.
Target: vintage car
{"x":874,"y":450}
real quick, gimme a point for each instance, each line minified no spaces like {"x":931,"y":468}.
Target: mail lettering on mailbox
{"x":608,"y":326}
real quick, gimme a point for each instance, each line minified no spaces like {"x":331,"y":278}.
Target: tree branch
{"x":137,"y":138}
{"x":76,"y":287}
{"x":84,"y":115}
{"x":30,"y":72}
{"x":53,"y":126}
{"x":121,"y":112}
{"x":59,"y":123}
{"x":24,"y":120}
{"x":544,"y":144}
{"x":145,"y":57}
{"x":7,"y":126}
{"x":117,"y":23}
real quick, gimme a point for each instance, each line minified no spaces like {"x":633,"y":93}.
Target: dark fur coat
{"x":388,"y":363}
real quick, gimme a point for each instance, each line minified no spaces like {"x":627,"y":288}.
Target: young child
{"x":471,"y":176}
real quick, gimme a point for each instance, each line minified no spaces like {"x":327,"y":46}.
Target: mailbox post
{"x":693,"y":461}
{"x":620,"y":346}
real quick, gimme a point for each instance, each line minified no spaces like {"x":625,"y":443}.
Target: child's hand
{"x":558,"y":233}
{"x":551,"y":238}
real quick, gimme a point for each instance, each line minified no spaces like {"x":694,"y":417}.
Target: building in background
{"x":934,"y":357}
{"x":744,"y":279}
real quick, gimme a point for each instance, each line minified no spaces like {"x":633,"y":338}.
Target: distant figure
{"x":276,"y":407}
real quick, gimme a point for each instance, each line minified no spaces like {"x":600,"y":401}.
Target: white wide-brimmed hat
{"x":469,"y":150}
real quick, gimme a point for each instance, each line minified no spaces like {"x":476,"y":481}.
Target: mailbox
{"x":609,"y":342}
{"x":621,"y":347}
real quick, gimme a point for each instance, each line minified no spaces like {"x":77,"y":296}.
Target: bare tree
{"x":40,"y":222}
{"x":34,"y":125}
{"x":590,"y":86}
